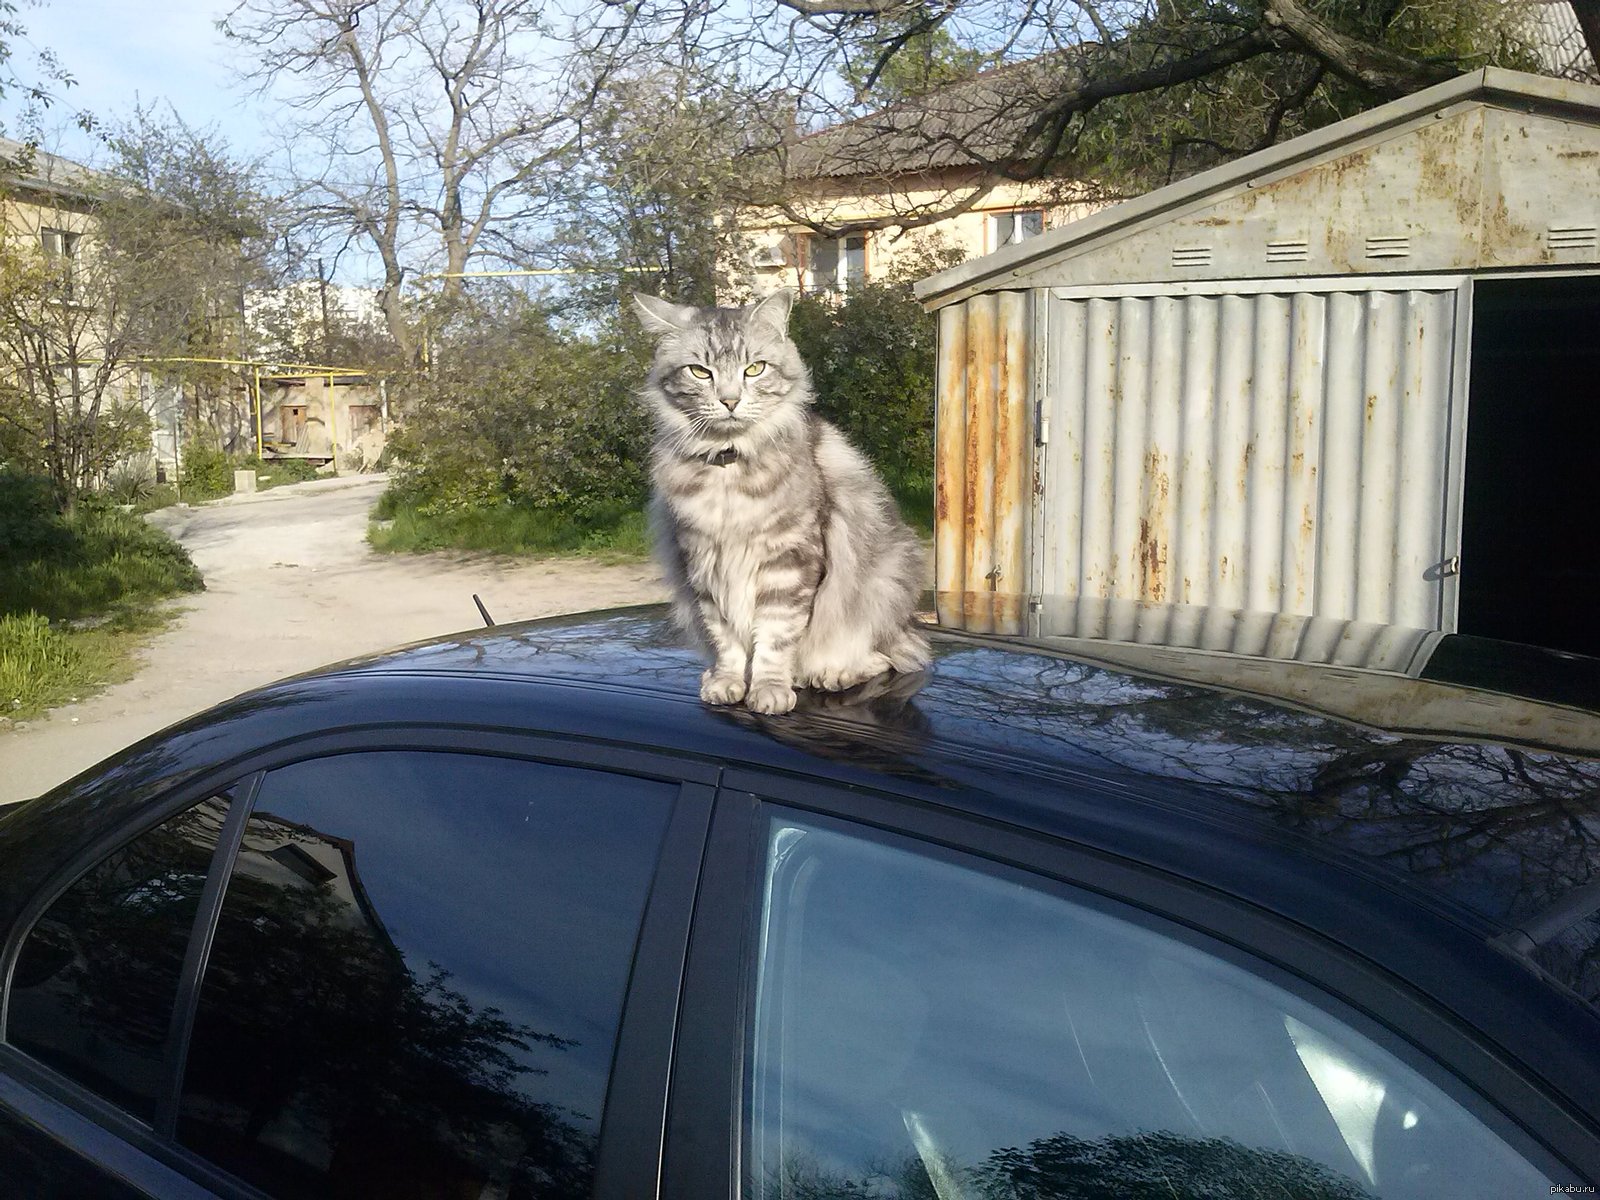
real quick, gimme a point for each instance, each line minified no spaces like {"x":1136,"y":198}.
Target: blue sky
{"x":153,"y":51}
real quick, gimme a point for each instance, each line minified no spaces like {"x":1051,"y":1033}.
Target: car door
{"x":392,"y":968}
{"x":888,"y":1000}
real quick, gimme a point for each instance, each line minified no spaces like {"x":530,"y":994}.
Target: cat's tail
{"x":907,"y":650}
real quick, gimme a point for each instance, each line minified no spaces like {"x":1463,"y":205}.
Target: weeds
{"x":59,"y":571}
{"x":615,"y":532}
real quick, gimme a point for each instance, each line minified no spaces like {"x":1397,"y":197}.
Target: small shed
{"x":1354,"y":377}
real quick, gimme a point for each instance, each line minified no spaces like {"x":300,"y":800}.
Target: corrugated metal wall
{"x":1277,"y":452}
{"x":982,"y":496}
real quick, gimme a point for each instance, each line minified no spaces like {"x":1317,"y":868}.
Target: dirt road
{"x":291,"y":584}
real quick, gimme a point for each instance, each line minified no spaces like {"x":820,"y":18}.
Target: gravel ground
{"x":290,"y":585}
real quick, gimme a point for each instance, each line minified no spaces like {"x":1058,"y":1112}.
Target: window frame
{"x":628,"y":1154}
{"x":707,"y":1118}
{"x":60,"y":249}
{"x":995,"y":242}
{"x":842,"y":280}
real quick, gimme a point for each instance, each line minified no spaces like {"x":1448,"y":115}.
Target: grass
{"x":614,"y":533}
{"x":78,"y":594}
{"x":43,"y":665}
{"x":275,"y":472}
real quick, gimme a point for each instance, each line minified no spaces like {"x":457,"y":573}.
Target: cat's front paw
{"x":719,"y":688}
{"x":770,"y":697}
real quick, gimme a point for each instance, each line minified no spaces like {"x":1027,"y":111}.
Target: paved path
{"x":291,"y":584}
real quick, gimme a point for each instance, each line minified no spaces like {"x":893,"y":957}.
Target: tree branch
{"x":1378,"y":69}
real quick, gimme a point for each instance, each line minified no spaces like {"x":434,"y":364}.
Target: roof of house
{"x":976,"y":122}
{"x":1560,"y":42}
{"x":1455,"y":191}
{"x":44,"y":172}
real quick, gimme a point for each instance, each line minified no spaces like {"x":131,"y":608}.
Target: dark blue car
{"x":513,"y":914}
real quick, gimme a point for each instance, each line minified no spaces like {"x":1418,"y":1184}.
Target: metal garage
{"x":1344,"y":384}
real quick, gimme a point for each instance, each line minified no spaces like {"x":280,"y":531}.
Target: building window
{"x":1012,"y":227}
{"x":837,"y":264}
{"x":61,"y":252}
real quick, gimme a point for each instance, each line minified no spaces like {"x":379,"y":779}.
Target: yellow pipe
{"x":333,"y":426}
{"x":298,"y":369}
{"x":260,"y":448}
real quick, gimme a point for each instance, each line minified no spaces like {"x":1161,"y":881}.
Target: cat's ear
{"x":662,"y":316}
{"x":772,"y":311}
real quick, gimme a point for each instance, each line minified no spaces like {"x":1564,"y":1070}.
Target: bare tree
{"x":416,"y":126}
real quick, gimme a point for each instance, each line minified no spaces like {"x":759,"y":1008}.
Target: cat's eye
{"x":698,"y":371}
{"x":755,"y":369}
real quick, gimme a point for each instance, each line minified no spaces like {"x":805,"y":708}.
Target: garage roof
{"x":1493,"y":170}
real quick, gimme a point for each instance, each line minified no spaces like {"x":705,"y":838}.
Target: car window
{"x":418,"y":975}
{"x":929,"y":1029}
{"x":96,"y":978}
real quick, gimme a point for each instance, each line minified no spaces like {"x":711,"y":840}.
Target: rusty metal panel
{"x":984,"y":468}
{"x":1276,"y":452}
{"x":950,"y":466}
{"x":1284,"y":637}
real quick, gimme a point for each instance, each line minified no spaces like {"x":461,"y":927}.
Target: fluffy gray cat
{"x":787,"y":557}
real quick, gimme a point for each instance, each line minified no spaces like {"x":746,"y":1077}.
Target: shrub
{"x":516,"y":414}
{"x":206,"y":472}
{"x":129,"y":484}
{"x":873,"y":359}
{"x":77,"y":564}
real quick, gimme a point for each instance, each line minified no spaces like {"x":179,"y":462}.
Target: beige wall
{"x":358,"y":426}
{"x":776,"y":251}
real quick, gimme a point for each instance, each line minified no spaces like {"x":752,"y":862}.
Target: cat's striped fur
{"x":785,"y":552}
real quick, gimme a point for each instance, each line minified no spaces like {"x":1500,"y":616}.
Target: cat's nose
{"x":729,"y":402}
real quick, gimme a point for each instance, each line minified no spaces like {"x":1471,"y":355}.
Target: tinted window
{"x":94,"y":986}
{"x":927,"y":1030}
{"x":418,"y":975}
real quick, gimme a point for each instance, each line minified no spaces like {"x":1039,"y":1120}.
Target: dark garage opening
{"x":1530,"y":540}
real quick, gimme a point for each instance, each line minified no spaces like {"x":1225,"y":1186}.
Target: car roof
{"x":1167,"y":759}
{"x":1504,"y":825}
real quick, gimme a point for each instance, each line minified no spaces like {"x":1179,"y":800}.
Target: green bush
{"x":275,"y":472}
{"x":873,"y":359}
{"x":607,"y":530}
{"x":206,"y":472}
{"x":69,"y":565}
{"x":526,"y":422}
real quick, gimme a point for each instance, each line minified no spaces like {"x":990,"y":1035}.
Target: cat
{"x":786,"y":554}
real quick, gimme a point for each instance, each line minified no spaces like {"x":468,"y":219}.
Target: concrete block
{"x":244,"y":481}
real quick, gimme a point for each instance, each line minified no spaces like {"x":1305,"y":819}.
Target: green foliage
{"x":873,"y":358}
{"x":607,"y":530}
{"x":205,"y":473}
{"x":521,"y":416}
{"x":92,"y":562}
{"x":1139,"y":141}
{"x":129,"y":484}
{"x":911,"y":56}
{"x":36,"y":664}
{"x":275,"y":472}
{"x":82,"y":563}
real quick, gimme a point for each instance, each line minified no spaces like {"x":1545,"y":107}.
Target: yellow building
{"x":933,"y":155}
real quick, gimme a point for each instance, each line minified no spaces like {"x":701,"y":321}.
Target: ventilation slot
{"x":1572,"y":237}
{"x":1191,"y":256}
{"x":1388,"y":247}
{"x":1298,"y":250}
